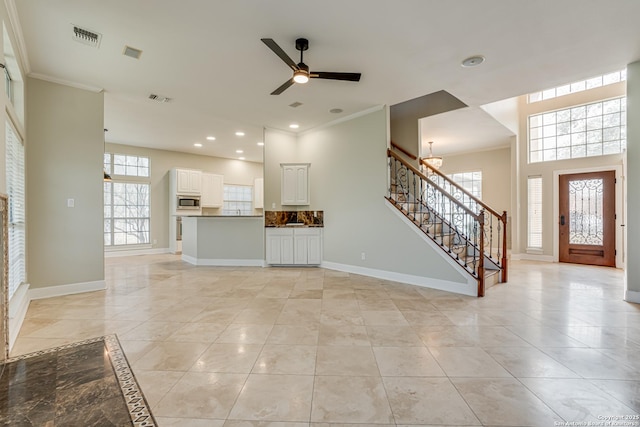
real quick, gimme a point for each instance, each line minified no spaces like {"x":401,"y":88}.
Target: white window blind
{"x":15,"y":191}
{"x":534,"y":234}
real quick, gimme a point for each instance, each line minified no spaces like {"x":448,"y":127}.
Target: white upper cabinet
{"x":212,"y":190}
{"x":258,"y":193}
{"x":295,"y":183}
{"x":188,"y":181}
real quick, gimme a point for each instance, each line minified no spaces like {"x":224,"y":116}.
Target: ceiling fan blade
{"x":284,"y":87}
{"x":352,"y":77}
{"x":271,"y":44}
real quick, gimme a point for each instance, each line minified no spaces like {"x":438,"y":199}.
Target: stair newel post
{"x":481,"y":254}
{"x":504,"y":246}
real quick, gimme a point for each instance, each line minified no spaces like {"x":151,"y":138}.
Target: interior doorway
{"x":587,"y":218}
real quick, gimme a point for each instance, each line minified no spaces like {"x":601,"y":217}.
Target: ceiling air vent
{"x":132,"y":52}
{"x":88,"y":37}
{"x":159,"y":98}
{"x":295,"y":104}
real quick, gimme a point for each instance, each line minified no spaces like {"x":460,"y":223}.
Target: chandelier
{"x":433,"y":161}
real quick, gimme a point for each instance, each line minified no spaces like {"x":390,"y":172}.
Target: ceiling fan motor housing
{"x":302,"y":44}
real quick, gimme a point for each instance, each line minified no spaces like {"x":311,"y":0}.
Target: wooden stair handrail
{"x":403,"y":151}
{"x":461,"y":188}
{"x":391,"y":153}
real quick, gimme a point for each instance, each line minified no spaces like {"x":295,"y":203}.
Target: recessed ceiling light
{"x":294,"y":126}
{"x":261,"y":143}
{"x":197,"y":144}
{"x":239,"y":151}
{"x":240,"y":158}
{"x":473,"y":61}
{"x":336,"y":110}
{"x":239,"y":133}
{"x":211,"y":138}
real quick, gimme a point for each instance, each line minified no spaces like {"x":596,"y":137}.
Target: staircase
{"x":464,"y":227}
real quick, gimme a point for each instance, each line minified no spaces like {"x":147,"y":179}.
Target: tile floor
{"x":313,"y":347}
{"x":72,"y":385}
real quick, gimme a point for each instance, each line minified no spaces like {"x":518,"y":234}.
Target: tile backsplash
{"x":282,"y":218}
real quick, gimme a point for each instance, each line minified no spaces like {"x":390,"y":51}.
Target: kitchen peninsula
{"x":222,"y":240}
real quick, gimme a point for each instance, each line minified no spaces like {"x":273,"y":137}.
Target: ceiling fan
{"x":301,"y":73}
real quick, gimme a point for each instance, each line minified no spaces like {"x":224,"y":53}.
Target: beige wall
{"x":63,"y":161}
{"x":632,"y":180}
{"x":349,"y":176}
{"x":547,"y":169}
{"x":495,"y":166}
{"x":279,"y":147}
{"x":236,"y":172}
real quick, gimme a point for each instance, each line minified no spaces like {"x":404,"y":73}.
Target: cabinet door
{"x":300,"y":244}
{"x":302,"y":185}
{"x":183,"y":183}
{"x":314,"y":248}
{"x":212,"y":190}
{"x":274,"y":249}
{"x":195,"y":181}
{"x":258,"y":193}
{"x":287,"y":249}
{"x":295,"y":184}
{"x":289,"y":185}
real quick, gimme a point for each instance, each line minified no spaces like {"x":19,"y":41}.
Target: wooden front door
{"x":587,"y":218}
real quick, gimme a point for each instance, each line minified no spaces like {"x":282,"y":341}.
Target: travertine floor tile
{"x":274,"y":398}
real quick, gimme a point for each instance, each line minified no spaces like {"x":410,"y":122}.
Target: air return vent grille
{"x":88,"y":37}
{"x":159,"y":98}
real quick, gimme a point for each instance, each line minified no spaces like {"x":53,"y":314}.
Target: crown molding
{"x":66,"y":82}
{"x":21,"y":47}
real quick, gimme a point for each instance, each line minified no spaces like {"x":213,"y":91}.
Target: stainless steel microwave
{"x":188,"y":202}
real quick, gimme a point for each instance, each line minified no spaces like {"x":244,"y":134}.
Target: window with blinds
{"x":534,"y":234}
{"x":15,"y":192}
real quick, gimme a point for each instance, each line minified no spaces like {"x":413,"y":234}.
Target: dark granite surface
{"x":294,"y":219}
{"x":73,"y":385}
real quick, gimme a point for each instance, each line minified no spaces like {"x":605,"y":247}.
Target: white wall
{"x":348,"y":176}
{"x":63,"y":161}
{"x":237,"y":172}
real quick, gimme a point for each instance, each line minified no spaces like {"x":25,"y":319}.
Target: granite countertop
{"x":221,"y":216}
{"x":295,"y":226}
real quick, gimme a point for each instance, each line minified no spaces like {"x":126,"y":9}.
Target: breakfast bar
{"x":223,"y":240}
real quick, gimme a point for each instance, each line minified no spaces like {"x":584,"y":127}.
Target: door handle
{"x":561,"y":219}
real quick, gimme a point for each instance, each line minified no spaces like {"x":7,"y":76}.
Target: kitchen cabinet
{"x":279,"y":246}
{"x":188,"y":181}
{"x":212,"y":190}
{"x":294,"y":246}
{"x":258,"y":193}
{"x":295,"y":184}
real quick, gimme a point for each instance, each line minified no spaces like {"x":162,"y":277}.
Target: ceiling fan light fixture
{"x":301,"y":76}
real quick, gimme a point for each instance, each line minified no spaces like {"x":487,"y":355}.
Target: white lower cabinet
{"x":294,"y":246}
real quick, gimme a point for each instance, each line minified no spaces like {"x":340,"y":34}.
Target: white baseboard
{"x":469,"y":288}
{"x":18,"y":307}
{"x":632,"y":296}
{"x":223,"y":262}
{"x":61,"y":290}
{"x":134,"y":252}
{"x":532,"y":257}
